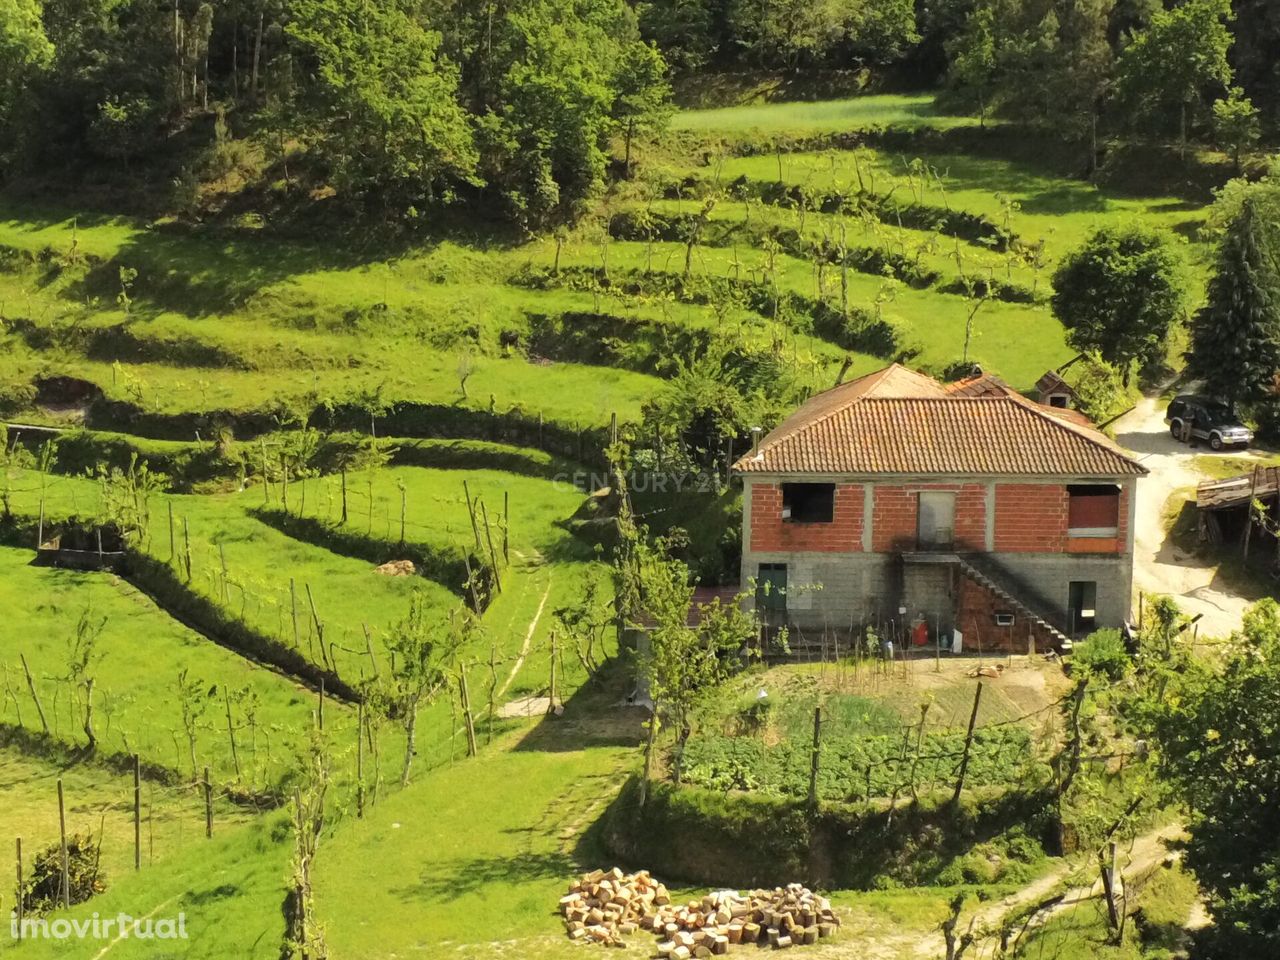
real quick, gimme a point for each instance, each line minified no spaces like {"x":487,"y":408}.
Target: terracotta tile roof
{"x":983,"y":385}
{"x":899,"y":422}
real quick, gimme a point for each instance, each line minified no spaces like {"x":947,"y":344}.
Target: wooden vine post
{"x":231,"y":731}
{"x":137,"y":813}
{"x":186,"y":546}
{"x":968,"y":744}
{"x":551,"y":690}
{"x":208,"y":805}
{"x":465,"y":693}
{"x":35,"y":695}
{"x":64,"y":890}
{"x":493,"y":555}
{"x":360,"y":759}
{"x":18,"y":897}
{"x":815,"y":758}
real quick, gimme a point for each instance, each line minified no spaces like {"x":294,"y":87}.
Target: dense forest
{"x":400,"y":105}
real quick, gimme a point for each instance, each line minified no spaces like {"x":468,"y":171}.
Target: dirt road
{"x":1159,"y":567}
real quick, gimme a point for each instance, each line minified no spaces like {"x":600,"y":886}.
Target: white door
{"x":936,"y":520}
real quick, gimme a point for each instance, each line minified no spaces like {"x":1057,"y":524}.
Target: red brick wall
{"x":771,"y":534}
{"x":893,"y":525}
{"x":976,"y":609}
{"x":1031,"y":518}
{"x":893,"y":519}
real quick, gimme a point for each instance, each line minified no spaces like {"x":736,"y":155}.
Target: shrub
{"x":1102,"y":654}
{"x":41,"y":891}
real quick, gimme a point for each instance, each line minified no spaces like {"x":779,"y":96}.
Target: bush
{"x":740,"y":839}
{"x":41,"y":891}
{"x":1102,"y":654}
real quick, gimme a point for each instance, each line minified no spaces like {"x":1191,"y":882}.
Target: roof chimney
{"x":755,"y":442}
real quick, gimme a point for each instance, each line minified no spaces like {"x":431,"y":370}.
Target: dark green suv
{"x":1193,"y":417}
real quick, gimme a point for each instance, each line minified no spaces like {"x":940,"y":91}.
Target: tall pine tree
{"x":1235,"y":336}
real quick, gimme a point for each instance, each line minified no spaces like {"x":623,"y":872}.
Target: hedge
{"x":718,"y":837}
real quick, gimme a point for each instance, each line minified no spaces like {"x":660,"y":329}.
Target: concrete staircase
{"x":988,"y":577}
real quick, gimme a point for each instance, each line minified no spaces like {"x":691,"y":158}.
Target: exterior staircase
{"x":991,"y":578}
{"x":984,"y":575}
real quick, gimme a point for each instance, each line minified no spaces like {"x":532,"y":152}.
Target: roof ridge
{"x":877,"y":375}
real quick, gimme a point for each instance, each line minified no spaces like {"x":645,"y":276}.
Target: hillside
{"x":272,"y":407}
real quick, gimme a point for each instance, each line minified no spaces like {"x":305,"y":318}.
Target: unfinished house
{"x":930,"y":511}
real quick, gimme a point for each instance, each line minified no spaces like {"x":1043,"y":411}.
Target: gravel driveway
{"x":1159,"y":567}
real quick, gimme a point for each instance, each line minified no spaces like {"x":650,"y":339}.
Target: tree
{"x":1215,"y":728}
{"x":684,"y":662}
{"x":1169,"y":65}
{"x":1119,"y":295}
{"x":642,"y":94}
{"x":1235,"y":336}
{"x":382,"y":103}
{"x":1235,"y":123}
{"x":420,"y":652}
{"x":973,"y":57}
{"x":25,"y":52}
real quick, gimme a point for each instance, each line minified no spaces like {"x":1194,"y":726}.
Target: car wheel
{"x":1175,"y":430}
{"x":1215,"y":441}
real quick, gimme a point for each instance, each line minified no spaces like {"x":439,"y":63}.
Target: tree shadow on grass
{"x":596,"y":715}
{"x":460,"y":878}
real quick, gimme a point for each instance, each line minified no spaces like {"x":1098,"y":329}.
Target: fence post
{"x":968,"y":744}
{"x":815,"y":758}
{"x":137,"y":813}
{"x":360,"y":760}
{"x":18,"y":907}
{"x":208,"y":805}
{"x":65,"y":890}
{"x":35,"y":695}
{"x":465,"y":692}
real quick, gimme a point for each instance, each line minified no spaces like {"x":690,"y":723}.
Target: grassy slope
{"x":141,"y":653}
{"x":898,"y":110}
{"x":97,"y":799}
{"x":488,"y":862}
{"x":231,"y":889}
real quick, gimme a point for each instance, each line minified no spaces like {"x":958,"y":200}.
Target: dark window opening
{"x":1082,"y":602}
{"x":1058,"y":400}
{"x":1093,"y":507}
{"x":808,"y":502}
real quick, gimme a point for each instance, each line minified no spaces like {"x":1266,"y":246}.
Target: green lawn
{"x":141,"y":652}
{"x":230,"y":889}
{"x":473,"y":856}
{"x":100,"y":802}
{"x":1035,"y":204}
{"x":857,"y":113}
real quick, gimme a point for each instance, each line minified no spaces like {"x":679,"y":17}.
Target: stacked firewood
{"x":608,"y":907}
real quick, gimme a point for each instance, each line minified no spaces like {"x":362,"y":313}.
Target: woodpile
{"x":397,"y":568}
{"x":606,"y":907}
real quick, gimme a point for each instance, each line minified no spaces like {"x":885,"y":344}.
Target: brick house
{"x":897,"y":500}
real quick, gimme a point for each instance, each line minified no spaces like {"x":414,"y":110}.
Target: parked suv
{"x":1192,"y":417}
